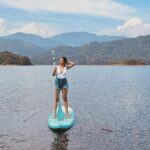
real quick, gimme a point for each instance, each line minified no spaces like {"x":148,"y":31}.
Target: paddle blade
{"x":60,"y":113}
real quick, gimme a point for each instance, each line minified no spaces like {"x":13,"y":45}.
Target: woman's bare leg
{"x":64,"y":93}
{"x":55,"y":101}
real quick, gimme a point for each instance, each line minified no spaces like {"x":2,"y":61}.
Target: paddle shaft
{"x":60,"y":113}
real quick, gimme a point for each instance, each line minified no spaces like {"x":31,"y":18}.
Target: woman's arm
{"x":70,"y":64}
{"x":54,"y":71}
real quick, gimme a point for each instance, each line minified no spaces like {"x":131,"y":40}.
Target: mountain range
{"x":82,"y":47}
{"x":70,"y":39}
{"x":102,"y":53}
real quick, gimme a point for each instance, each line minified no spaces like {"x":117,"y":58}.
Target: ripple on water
{"x":111,"y":107}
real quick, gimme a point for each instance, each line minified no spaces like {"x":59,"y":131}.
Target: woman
{"x":61,"y":82}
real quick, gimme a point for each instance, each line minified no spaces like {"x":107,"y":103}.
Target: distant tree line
{"x":131,"y":62}
{"x":9,"y":58}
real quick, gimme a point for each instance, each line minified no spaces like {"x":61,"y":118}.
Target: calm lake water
{"x":111,"y":104}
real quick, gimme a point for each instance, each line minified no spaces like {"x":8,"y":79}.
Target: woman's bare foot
{"x":68,"y":115}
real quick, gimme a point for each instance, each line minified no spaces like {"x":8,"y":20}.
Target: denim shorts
{"x":61,"y":83}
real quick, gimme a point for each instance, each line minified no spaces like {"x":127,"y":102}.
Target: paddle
{"x":60,"y":113}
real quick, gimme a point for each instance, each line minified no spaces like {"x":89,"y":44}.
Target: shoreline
{"x":12,"y":65}
{"x":16,"y":65}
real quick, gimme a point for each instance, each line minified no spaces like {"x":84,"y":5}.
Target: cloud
{"x":130,"y":22}
{"x":132,"y":27}
{"x":105,"y":8}
{"x":33,"y":28}
{"x":2,"y":26}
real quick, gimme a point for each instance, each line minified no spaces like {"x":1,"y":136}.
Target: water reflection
{"x":60,"y":141}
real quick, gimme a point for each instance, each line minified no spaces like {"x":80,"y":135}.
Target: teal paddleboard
{"x":61,"y":122}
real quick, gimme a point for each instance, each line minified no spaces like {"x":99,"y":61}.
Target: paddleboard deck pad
{"x":62,"y":123}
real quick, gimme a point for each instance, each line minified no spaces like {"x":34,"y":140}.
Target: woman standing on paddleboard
{"x":61,"y":82}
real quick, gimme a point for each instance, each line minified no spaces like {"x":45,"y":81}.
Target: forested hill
{"x":8,"y":58}
{"x":129,"y":50}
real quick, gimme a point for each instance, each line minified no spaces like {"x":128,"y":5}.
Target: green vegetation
{"x":8,"y":58}
{"x":130,"y":62}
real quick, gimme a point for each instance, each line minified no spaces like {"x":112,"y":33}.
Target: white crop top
{"x":60,"y":74}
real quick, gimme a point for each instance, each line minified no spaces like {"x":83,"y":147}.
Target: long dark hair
{"x":65,"y":59}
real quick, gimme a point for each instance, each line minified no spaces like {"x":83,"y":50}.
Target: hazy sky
{"x":50,"y":17}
